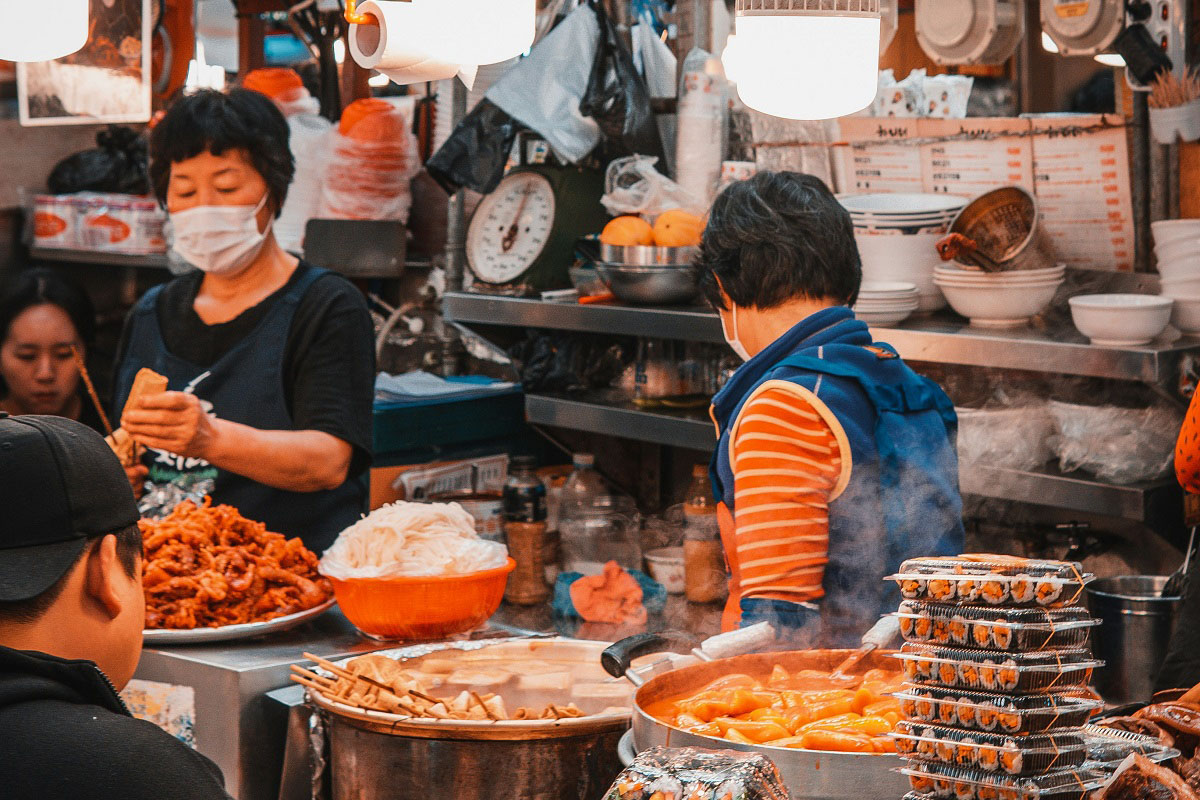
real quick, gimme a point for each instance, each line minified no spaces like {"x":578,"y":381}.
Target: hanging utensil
{"x":1178,"y":581}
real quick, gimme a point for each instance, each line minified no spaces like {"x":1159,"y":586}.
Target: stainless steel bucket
{"x":369,"y":763}
{"x":1132,"y":641}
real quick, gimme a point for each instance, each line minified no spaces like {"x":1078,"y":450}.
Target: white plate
{"x":231,"y":633}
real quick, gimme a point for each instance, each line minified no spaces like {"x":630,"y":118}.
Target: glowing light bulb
{"x":1048,"y":44}
{"x":41,"y":31}
{"x":1111,"y":59}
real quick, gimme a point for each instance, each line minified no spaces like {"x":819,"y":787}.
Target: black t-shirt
{"x":329,"y":361}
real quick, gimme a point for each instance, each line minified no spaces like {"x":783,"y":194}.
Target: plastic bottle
{"x":584,"y":485}
{"x":525,"y":533}
{"x":703,"y":556}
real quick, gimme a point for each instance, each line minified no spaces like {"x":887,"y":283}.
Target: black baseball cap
{"x":60,"y":485}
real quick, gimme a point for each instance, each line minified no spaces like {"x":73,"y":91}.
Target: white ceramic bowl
{"x":1184,"y":287}
{"x":1170,"y":230}
{"x":1120,"y":320}
{"x":888,"y":289}
{"x":1008,"y":276}
{"x":667,"y":567}
{"x":1177,"y":249}
{"x":884,"y":318}
{"x":903,"y":258}
{"x":998,"y":306}
{"x":1181,"y":267}
{"x":902,"y":204}
{"x":1185,"y":314}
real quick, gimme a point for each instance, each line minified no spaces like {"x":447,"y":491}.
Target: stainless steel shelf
{"x":152,"y":261}
{"x":1147,"y":502}
{"x":687,"y":324}
{"x":942,"y":338}
{"x":674,"y":429}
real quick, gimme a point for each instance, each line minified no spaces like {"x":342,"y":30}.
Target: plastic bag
{"x":309,"y":142}
{"x":633,"y":186}
{"x":699,"y":774}
{"x":543,"y":91}
{"x":1015,"y":438}
{"x":701,"y":126}
{"x":1117,"y":445}
{"x":118,"y":164}
{"x":370,"y":164}
{"x":476,"y":151}
{"x":617,"y":97}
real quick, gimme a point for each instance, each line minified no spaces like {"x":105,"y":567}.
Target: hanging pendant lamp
{"x":806,"y":59}
{"x":40,"y":31}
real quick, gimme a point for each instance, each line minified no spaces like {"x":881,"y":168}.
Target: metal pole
{"x":456,"y":228}
{"x":1159,"y":182}
{"x":1139,"y":169}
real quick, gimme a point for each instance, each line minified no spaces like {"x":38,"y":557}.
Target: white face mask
{"x":219,"y":240}
{"x":732,"y":338}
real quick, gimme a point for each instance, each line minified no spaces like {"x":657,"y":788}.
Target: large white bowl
{"x":1185,"y":314}
{"x":1180,"y":267}
{"x":1170,"y":230}
{"x":943,"y":280}
{"x":1186,"y":247}
{"x":900,"y":204}
{"x":1120,"y":320}
{"x":954,"y":271}
{"x":887,"y":289}
{"x":998,"y":306}
{"x":1185,"y":287}
{"x":883,"y":319}
{"x":903,"y":258}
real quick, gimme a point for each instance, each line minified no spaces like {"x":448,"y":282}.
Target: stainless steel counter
{"x":234,"y":724}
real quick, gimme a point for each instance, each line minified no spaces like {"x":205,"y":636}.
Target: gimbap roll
{"x":1011,"y":760}
{"x":987,"y":674}
{"x":960,"y":632}
{"x":989,"y":758}
{"x":981,"y":632}
{"x":1021,"y":588}
{"x":994,"y":592}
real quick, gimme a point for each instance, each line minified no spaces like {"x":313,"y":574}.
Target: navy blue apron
{"x":245,"y":385}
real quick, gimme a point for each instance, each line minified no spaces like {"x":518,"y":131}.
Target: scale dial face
{"x":511,"y":227}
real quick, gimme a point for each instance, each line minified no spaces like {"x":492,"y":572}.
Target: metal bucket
{"x":1132,"y":641}
{"x":1006,"y":225}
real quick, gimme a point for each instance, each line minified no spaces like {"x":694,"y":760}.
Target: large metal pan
{"x":808,"y":774}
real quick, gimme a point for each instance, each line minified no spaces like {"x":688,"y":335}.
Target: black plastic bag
{"x":476,"y":151}
{"x":119,"y":164}
{"x":567,"y":362}
{"x":617,"y":97}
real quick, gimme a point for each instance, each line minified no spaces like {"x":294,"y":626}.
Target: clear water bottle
{"x":584,"y":485}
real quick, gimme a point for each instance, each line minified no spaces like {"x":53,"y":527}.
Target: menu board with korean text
{"x":880,"y":167}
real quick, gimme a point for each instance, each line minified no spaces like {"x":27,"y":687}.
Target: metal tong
{"x":618,"y":659}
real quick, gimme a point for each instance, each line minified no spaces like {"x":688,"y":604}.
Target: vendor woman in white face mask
{"x":270,"y":360}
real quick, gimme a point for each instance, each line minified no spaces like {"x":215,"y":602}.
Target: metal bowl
{"x":646,"y":255}
{"x":666,"y":286}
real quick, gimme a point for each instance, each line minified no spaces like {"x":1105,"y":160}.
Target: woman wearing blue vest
{"x":835,"y":460}
{"x":270,"y":361}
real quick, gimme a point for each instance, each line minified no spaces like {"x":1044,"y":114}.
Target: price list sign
{"x":972,"y":166}
{"x":1083,"y":191}
{"x":876,"y":167}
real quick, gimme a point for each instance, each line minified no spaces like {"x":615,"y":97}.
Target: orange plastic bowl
{"x":422,"y":608}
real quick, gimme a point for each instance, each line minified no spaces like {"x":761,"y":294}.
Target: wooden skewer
{"x":431,"y":700}
{"x":312,"y":676}
{"x":310,"y":684}
{"x":475,"y":696}
{"x":91,"y":388}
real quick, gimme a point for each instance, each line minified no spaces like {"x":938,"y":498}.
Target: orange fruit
{"x":626,"y":231}
{"x":678,"y":228}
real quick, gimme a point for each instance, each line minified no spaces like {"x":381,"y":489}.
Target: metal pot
{"x":667,"y":286}
{"x":808,"y":774}
{"x":369,"y":762}
{"x":1006,"y":224}
{"x":1132,"y":641}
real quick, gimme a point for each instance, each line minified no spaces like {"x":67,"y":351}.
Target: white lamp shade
{"x":40,"y":31}
{"x":805,"y":66}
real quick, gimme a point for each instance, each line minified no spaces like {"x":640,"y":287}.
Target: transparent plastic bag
{"x":368,"y":180}
{"x":1016,"y":438}
{"x":309,"y":137}
{"x":632,"y":185}
{"x":1117,"y":445}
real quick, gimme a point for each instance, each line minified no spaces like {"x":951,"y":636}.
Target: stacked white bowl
{"x":1120,"y":320}
{"x":1000,"y":299}
{"x":897,"y":236}
{"x":882,"y":304}
{"x":1177,"y":247}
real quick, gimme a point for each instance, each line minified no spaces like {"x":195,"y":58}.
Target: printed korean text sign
{"x":879,"y":168}
{"x":971,"y":166}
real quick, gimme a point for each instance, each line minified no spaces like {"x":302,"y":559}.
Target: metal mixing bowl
{"x":667,"y":286}
{"x":646,"y":255}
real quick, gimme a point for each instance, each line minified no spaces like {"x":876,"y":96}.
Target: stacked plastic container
{"x":997,"y":660}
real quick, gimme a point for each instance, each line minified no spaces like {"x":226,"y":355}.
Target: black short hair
{"x":38,"y":287}
{"x":776,"y":237}
{"x":129,"y":551}
{"x":215,"y":122}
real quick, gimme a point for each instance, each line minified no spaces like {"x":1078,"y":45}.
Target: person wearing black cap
{"x":71,"y":615}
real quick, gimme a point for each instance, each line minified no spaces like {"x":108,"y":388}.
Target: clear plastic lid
{"x":950,"y":783}
{"x":989,"y":628}
{"x":1014,"y":673}
{"x":990,"y":712}
{"x":1109,"y":747}
{"x":1036,"y":754}
{"x":998,"y":582}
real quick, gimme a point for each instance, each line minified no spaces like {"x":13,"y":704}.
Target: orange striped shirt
{"x":1187,"y":448}
{"x":788,"y":465}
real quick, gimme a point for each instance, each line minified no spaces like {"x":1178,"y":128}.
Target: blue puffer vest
{"x":902,"y":498}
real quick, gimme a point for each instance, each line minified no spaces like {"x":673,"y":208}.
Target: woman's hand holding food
{"x":137,"y":474}
{"x":173,"y":421}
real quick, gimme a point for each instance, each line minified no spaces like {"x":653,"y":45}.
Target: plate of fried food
{"x":211,"y":575}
